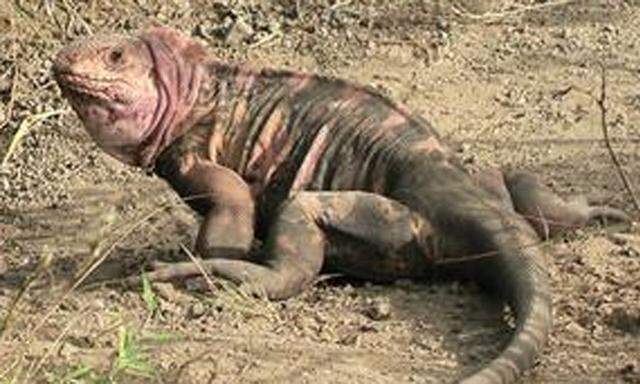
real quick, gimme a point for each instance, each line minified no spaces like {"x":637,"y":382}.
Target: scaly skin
{"x":328,"y":174}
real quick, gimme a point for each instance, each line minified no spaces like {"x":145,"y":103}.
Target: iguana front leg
{"x":313,"y":225}
{"x":223,"y":198}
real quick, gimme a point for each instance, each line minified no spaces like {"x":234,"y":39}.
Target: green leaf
{"x":148,"y":295}
{"x":130,"y":359}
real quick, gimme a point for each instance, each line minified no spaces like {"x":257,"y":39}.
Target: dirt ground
{"x":509,"y":83}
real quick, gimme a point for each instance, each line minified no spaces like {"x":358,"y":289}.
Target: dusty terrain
{"x":507,"y":82}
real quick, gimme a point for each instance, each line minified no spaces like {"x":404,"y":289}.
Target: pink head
{"x":132,"y":94}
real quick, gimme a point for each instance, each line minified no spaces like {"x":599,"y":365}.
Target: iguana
{"x":331,"y":175}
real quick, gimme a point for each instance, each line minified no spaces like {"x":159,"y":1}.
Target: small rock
{"x":352,"y":339}
{"x":369,"y":327}
{"x":629,"y":251}
{"x":67,"y":350}
{"x":455,"y":288}
{"x":575,"y":329}
{"x":630,"y":368}
{"x":238,"y":33}
{"x":99,"y":304}
{"x":5,"y":84}
{"x":583,"y":367}
{"x":560,"y":33}
{"x":196,"y":310}
{"x":348,"y":289}
{"x":168,"y":292}
{"x":629,"y":244}
{"x":442,"y":24}
{"x":378,"y":310}
{"x":196,"y":284}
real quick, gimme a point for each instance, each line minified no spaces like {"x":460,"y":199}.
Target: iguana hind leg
{"x":547,"y":212}
{"x":362,"y":233}
{"x":373,"y":237}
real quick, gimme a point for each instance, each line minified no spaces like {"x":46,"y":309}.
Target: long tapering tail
{"x":469,"y":220}
{"x":517,"y":274}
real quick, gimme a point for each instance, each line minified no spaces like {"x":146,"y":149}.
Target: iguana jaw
{"x":103,"y":89}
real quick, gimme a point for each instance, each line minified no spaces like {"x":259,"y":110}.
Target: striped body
{"x":283,"y":132}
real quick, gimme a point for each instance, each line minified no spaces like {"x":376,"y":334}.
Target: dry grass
{"x":24,"y":129}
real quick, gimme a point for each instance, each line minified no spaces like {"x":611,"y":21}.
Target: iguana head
{"x":131,"y":93}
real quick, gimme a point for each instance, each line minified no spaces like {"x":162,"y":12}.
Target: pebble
{"x":378,"y":310}
{"x":196,"y":310}
{"x":631,"y":368}
{"x":5,"y":84}
{"x":575,"y":329}
{"x":238,"y":33}
{"x":168,"y":292}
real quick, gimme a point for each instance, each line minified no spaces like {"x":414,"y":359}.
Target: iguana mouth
{"x":107,"y":90}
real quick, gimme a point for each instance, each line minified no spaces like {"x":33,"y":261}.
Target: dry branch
{"x":601,"y":100}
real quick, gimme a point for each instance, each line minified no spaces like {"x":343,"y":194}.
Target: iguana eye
{"x":115,"y":56}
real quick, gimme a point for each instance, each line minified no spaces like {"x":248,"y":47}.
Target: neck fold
{"x":178,"y":81}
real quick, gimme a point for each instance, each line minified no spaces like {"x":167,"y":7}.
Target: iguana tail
{"x":517,"y":275}
{"x":470,"y":221}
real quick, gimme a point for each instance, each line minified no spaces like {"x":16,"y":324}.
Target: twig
{"x":339,"y":4}
{"x":267,"y":39}
{"x":196,"y":261}
{"x":17,"y":6}
{"x":15,"y":366}
{"x":121,"y":235}
{"x":484,"y":255}
{"x":545,"y":223}
{"x":19,"y":11}
{"x":605,"y":133}
{"x":498,"y":15}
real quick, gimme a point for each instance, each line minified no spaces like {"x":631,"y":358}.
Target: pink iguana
{"x":329,"y":174}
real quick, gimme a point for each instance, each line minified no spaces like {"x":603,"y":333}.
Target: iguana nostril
{"x":63,"y":60}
